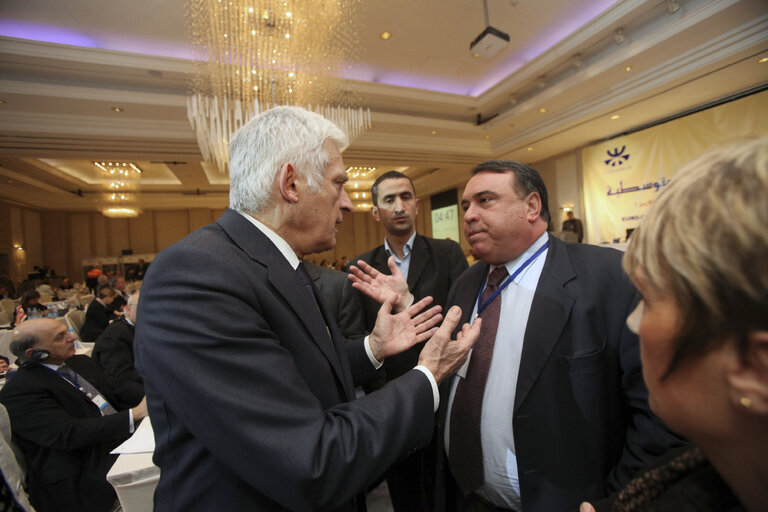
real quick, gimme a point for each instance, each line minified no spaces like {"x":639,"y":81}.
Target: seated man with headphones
{"x":66,"y":416}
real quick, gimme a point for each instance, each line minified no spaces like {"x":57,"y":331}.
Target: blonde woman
{"x":700,"y":261}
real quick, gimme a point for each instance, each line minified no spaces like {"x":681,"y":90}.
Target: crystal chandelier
{"x":256,"y":54}
{"x":122,"y":177}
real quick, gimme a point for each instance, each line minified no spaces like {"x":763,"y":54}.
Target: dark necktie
{"x":86,"y":387}
{"x":301,"y":270}
{"x":466,"y":451}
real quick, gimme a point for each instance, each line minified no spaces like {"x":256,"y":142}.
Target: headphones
{"x":38,"y":356}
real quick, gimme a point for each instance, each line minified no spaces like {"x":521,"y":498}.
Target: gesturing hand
{"x":443,"y":356}
{"x":393,"y":334}
{"x":381,"y":287}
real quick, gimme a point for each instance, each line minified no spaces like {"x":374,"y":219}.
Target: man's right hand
{"x":140,"y":411}
{"x":443,"y":356}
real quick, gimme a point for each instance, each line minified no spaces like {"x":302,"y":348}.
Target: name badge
{"x":100,"y":402}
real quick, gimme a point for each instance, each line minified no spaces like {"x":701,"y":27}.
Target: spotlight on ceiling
{"x":619,"y":36}
{"x":673,"y":6}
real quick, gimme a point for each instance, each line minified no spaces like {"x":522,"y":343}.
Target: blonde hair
{"x":705,"y":242}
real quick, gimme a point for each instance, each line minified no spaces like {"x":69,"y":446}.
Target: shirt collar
{"x":280,"y":243}
{"x":406,"y":250}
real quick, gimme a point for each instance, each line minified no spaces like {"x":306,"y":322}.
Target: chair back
{"x":8,"y":305}
{"x":75,"y":320}
{"x":6,"y":317}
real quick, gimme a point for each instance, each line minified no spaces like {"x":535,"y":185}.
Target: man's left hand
{"x":382,"y":287}
{"x":395,"y":333}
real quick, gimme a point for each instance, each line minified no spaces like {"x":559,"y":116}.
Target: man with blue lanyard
{"x":66,"y":416}
{"x":550,"y":407}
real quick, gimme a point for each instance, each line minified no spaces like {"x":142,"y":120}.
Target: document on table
{"x":142,"y":440}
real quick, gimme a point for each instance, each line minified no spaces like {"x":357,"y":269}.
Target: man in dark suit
{"x":249,"y":384}
{"x":430,"y":267}
{"x":574,"y":225}
{"x":66,"y":416}
{"x":113,"y":350}
{"x":330,"y":283}
{"x":551,"y":407}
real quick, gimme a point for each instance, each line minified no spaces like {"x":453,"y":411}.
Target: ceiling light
{"x":619,"y":36}
{"x":628,"y":69}
{"x":541,"y":82}
{"x":513,"y":99}
{"x":475,"y":55}
{"x":576,"y":61}
{"x":121,"y":212}
{"x":487,"y":136}
{"x":761,"y":61}
{"x":530,"y":149}
{"x":672,"y":6}
{"x":433,"y":132}
{"x":385,"y":35}
{"x":117,"y":109}
{"x":615,"y":117}
{"x":490,"y":41}
{"x":543,"y":110}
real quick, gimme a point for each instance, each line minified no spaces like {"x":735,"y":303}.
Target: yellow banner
{"x":624,"y":175}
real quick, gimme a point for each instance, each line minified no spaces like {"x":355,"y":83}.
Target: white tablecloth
{"x":135,"y":478}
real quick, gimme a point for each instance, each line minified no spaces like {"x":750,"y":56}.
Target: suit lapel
{"x":550,"y":310}
{"x":419,"y":258}
{"x":285,"y":280}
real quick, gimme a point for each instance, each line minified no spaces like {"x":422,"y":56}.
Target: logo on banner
{"x":617,"y":157}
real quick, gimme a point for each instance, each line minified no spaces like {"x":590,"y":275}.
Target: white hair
{"x":279,"y":136}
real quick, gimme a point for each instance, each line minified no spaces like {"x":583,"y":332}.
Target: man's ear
{"x":417,"y":207}
{"x":375,"y":213}
{"x":286,"y":180}
{"x":749,"y":378}
{"x":533,"y":203}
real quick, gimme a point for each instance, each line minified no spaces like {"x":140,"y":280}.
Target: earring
{"x":746,"y":402}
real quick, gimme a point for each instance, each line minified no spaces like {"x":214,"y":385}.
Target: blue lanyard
{"x":526,"y":263}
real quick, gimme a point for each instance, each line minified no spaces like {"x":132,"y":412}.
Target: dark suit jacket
{"x":435,"y":265}
{"x":96,"y":320}
{"x":65,"y":439}
{"x":113,"y":351}
{"x":251,"y":400}
{"x":330,"y":282}
{"x":582,"y":425}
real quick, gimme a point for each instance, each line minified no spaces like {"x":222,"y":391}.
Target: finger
{"x":469,"y":334}
{"x":386,"y":307}
{"x":586,"y":507}
{"x":426,"y":315}
{"x":452,"y":319}
{"x":428,"y":323}
{"x":369,"y":270}
{"x":415,"y":308}
{"x":393,"y":269}
{"x":359,"y":274}
{"x":424,"y":336}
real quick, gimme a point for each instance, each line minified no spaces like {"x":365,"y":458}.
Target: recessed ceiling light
{"x":434,"y":132}
{"x":615,"y":117}
{"x":628,"y":69}
{"x":117,"y":109}
{"x":543,"y":110}
{"x":487,"y":136}
{"x":476,"y":55}
{"x":385,"y":35}
{"x":763,"y":60}
{"x":530,"y":149}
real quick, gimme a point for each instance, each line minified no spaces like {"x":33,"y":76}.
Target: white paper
{"x":142,"y":440}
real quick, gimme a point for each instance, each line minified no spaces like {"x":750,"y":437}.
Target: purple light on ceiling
{"x":510,"y":63}
{"x":45,"y":33}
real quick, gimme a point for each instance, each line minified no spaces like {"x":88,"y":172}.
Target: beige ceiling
{"x":58,"y":115}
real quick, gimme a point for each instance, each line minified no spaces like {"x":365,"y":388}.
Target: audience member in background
{"x":29,"y":306}
{"x":4,"y":364}
{"x":141,"y":269}
{"x":574,"y":225}
{"x":97,"y":316}
{"x":117,"y":283}
{"x":13,"y":495}
{"x":64,"y":417}
{"x":92,"y":277}
{"x":65,"y":284}
{"x":113,"y":350}
{"x":7,"y":283}
{"x":700,"y":260}
{"x":5,"y":293}
{"x":430,"y":267}
{"x":102,"y":282}
{"x":45,"y":288}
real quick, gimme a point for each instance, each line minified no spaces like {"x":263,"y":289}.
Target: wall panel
{"x":142,"y":232}
{"x":170,"y":227}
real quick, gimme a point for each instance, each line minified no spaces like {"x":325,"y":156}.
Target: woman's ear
{"x":286,"y":180}
{"x":749,"y":379}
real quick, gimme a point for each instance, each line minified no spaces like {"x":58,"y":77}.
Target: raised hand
{"x":395,"y":333}
{"x":381,"y":287}
{"x":443,"y":356}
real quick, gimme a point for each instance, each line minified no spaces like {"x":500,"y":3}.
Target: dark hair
{"x":389,"y":175}
{"x":527,"y":180}
{"x":26,"y":297}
